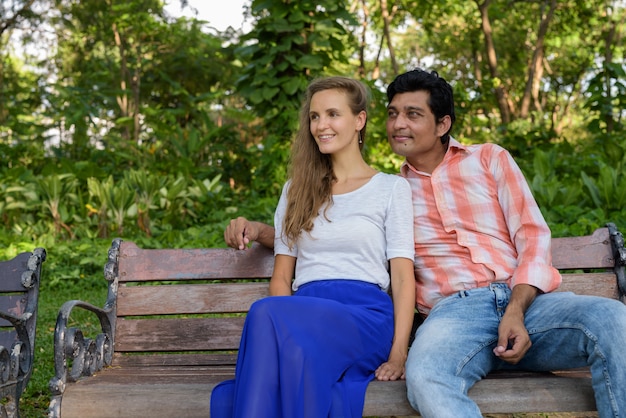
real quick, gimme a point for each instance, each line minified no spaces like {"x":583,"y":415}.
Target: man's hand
{"x":240,"y":232}
{"x":513,"y":339}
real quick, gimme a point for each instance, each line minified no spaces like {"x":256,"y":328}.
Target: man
{"x":483,"y":267}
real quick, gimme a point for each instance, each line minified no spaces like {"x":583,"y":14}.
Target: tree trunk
{"x":386,"y":31}
{"x":611,"y":39}
{"x":136,"y":95}
{"x":535,"y":67}
{"x":363,"y":43}
{"x":122,"y":100}
{"x":492,"y":62}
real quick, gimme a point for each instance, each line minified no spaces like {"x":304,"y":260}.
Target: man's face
{"x":412,"y":130}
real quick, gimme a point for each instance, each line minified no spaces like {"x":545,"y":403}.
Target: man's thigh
{"x":458,"y":336}
{"x":563,"y":327}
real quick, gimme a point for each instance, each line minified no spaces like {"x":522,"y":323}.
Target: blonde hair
{"x":311,"y":172}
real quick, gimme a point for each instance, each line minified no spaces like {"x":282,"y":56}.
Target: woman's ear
{"x":361,"y":118}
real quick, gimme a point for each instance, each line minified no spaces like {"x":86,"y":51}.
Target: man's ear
{"x":444,"y":125}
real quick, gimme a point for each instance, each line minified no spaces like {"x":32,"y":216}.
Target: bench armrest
{"x":619,"y":255}
{"x":86,"y":355}
{"x":74,"y":354}
{"x":19,"y":289}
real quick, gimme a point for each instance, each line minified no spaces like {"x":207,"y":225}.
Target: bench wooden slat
{"x":528,"y":394}
{"x":237,"y":297}
{"x":162,"y":391}
{"x":212,"y":298}
{"x":587,"y":252}
{"x":12,"y":272}
{"x":190,"y":334}
{"x":137,"y":264}
{"x":174,"y":360}
{"x":164,"y":400}
{"x":596,"y":284}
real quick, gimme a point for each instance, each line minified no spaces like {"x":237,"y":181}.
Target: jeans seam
{"x":594,"y":339}
{"x":472,"y":354}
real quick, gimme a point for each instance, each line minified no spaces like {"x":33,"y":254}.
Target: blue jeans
{"x":453,"y":347}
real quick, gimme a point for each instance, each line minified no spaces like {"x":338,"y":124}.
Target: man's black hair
{"x":441,"y":99}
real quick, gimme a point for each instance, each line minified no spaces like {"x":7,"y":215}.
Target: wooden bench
{"x":173,"y":318}
{"x":19,"y":297}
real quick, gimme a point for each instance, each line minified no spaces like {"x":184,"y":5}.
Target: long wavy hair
{"x":310,"y":171}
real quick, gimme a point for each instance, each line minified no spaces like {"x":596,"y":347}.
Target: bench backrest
{"x":19,"y":297}
{"x":206,"y":292}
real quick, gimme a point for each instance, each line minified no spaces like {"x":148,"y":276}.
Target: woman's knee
{"x":262,"y":309}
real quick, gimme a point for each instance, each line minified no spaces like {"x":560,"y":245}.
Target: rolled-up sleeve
{"x":528,"y":229}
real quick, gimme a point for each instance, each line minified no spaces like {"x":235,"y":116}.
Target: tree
{"x":291,"y":43}
{"x":532,"y":61}
{"x":128,"y":76}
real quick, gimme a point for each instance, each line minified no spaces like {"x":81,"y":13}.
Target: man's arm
{"x":534,"y":273}
{"x":240,"y":232}
{"x":513,"y":339}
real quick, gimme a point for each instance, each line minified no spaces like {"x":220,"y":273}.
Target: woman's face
{"x":332,"y":123}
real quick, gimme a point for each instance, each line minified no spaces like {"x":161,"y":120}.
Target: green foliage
{"x":550,"y":190}
{"x":607,"y":97}
{"x":291,"y":43}
{"x":608,"y":191}
{"x":160,"y":130}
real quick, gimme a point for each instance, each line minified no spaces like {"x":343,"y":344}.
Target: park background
{"x":120,"y":119}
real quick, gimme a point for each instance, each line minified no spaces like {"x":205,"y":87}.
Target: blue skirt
{"x":309,"y":355}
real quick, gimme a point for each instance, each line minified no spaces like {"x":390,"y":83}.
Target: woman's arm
{"x":280,"y":283}
{"x":403,"y":294}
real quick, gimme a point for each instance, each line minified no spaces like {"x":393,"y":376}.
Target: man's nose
{"x":399,"y":121}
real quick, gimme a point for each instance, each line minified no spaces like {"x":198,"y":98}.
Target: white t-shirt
{"x":365,"y":228}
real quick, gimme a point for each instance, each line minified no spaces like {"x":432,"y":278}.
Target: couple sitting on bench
{"x":482,"y":277}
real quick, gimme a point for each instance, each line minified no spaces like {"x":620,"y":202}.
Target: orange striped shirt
{"x":476,"y":222}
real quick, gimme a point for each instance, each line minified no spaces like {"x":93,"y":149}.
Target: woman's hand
{"x":390,"y":370}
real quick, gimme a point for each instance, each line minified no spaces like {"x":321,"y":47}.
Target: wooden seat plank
{"x":133,"y":391}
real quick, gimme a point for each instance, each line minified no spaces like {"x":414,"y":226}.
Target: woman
{"x":350,"y":229}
